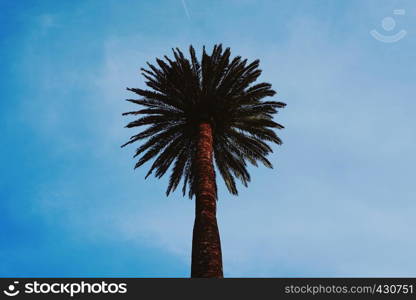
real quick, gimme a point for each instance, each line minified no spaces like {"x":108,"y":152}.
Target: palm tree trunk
{"x":206,"y":245}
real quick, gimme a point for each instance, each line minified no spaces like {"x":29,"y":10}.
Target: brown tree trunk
{"x":206,"y":246}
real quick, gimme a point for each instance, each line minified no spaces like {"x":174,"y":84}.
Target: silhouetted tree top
{"x":219,"y":90}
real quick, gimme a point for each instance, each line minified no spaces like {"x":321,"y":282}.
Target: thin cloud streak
{"x":185,"y":7}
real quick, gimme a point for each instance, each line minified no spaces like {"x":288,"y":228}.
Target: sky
{"x":340,"y":201}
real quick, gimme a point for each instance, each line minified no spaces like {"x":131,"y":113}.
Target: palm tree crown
{"x":217,"y":90}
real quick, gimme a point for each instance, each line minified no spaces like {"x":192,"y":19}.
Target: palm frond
{"x":184,"y":92}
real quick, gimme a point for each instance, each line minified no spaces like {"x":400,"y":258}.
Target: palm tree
{"x":200,"y":111}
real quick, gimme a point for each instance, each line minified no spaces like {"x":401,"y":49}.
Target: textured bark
{"x":206,"y":245}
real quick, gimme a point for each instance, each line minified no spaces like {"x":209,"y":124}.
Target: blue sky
{"x":340,"y":201}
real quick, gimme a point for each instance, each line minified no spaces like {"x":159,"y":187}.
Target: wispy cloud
{"x":185,"y":7}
